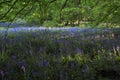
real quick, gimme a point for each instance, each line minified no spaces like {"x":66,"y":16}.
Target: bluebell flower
{"x":79,"y":51}
{"x":72,"y":64}
{"x":61,"y":75}
{"x":118,"y":48}
{"x":85,"y":70}
{"x":2,"y":73}
{"x":13,"y":57}
{"x":21,"y":63}
{"x":45,"y":63}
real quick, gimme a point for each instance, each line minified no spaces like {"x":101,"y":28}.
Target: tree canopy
{"x":62,"y":12}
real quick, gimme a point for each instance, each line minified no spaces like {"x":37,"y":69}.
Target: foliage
{"x":62,"y":12}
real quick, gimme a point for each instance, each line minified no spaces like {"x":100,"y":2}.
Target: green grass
{"x":1,"y":28}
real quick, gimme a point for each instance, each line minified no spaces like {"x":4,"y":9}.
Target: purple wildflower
{"x":72,"y":64}
{"x":85,"y":70}
{"x":21,"y":63}
{"x":13,"y":57}
{"x":23,"y":69}
{"x":2,"y":73}
{"x":45,"y":63}
{"x":61,"y":75}
{"x":79,"y":51}
{"x":118,"y":48}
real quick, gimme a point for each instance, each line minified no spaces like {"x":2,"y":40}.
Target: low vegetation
{"x":88,"y":54}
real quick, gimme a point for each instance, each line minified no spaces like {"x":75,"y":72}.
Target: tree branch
{"x":9,"y":10}
{"x":4,"y":2}
{"x":106,"y":15}
{"x":29,"y":11}
{"x":20,"y":11}
{"x":52,"y":1}
{"x":63,"y":6}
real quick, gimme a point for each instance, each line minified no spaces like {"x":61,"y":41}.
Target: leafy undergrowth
{"x":43,"y":66}
{"x":42,"y":56}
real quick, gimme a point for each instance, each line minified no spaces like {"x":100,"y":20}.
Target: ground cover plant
{"x":59,"y":54}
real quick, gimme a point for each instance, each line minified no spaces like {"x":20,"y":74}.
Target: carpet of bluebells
{"x":59,"y":54}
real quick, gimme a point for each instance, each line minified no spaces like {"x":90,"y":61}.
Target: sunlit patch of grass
{"x":2,"y":28}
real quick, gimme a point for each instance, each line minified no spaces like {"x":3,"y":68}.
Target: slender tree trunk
{"x":63,"y":6}
{"x":79,"y":16}
{"x":78,"y":19}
